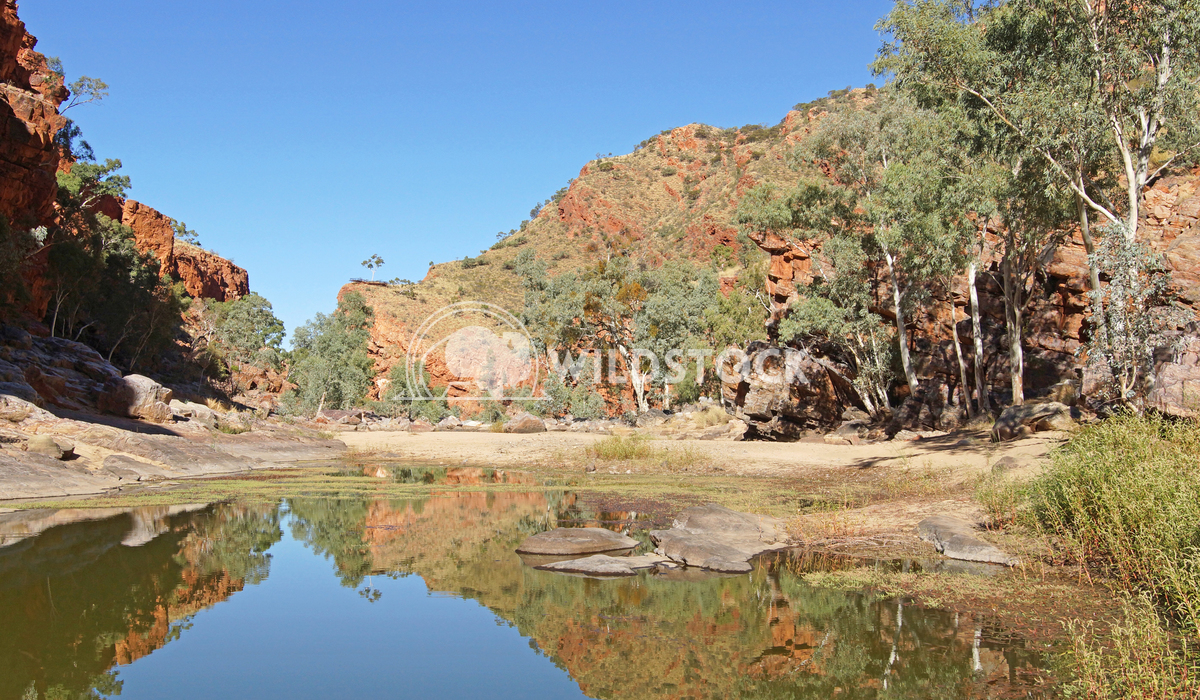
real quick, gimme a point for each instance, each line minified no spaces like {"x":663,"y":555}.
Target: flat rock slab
{"x":955,"y":538}
{"x":568,"y":541}
{"x":716,"y":538}
{"x":604,"y":565}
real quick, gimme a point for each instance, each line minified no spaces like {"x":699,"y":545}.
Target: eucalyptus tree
{"x":594,"y":308}
{"x":1094,"y":88}
{"x":887,"y":184}
{"x":330,"y":364}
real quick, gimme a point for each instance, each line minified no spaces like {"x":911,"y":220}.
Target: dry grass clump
{"x":217,"y":405}
{"x":641,"y":449}
{"x":711,"y":416}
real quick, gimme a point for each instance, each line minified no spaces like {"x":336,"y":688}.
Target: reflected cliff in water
{"x":84,"y":591}
{"x":81,"y":599}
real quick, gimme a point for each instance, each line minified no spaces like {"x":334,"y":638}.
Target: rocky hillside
{"x":673,"y":197}
{"x":30,"y":95}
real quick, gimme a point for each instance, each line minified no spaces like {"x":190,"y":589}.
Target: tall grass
{"x":1123,"y":500}
{"x":1123,"y":497}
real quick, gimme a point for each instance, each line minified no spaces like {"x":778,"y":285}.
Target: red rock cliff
{"x":29,"y":99}
{"x":204,"y":274}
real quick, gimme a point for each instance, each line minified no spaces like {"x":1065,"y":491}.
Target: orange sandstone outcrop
{"x":29,"y":98}
{"x":204,"y":274}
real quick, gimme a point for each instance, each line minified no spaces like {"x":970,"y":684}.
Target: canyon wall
{"x":204,"y":274}
{"x":29,"y":98}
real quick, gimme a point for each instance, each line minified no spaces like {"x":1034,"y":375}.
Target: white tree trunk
{"x":981,"y":390}
{"x":910,"y":374}
{"x":1012,"y":317}
{"x":958,"y":354}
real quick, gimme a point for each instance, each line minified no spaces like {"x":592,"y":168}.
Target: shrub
{"x":605,"y":166}
{"x":469,"y":262}
{"x":1124,"y":498}
{"x":617,"y":448}
{"x":669,"y":171}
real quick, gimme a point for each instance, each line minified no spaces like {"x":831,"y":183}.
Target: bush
{"x":669,"y":171}
{"x":619,"y":449}
{"x":605,"y":166}
{"x":1124,"y":499}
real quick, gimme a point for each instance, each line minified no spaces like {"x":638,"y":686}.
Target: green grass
{"x":1122,"y":499}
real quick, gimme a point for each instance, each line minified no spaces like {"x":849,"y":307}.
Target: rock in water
{"x":719,"y":539}
{"x":604,"y":565}
{"x":525,"y":423}
{"x":955,"y":538}
{"x":568,"y":541}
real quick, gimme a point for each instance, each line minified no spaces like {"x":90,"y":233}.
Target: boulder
{"x":955,"y":538}
{"x":571,"y":541}
{"x":51,"y":447}
{"x":419,"y":426}
{"x":524,"y":423}
{"x":1019,"y":421}
{"x":448,"y":423}
{"x":781,"y":392}
{"x":196,"y":412}
{"x":651,"y":418}
{"x":716,"y":538}
{"x":605,"y":565}
{"x":137,"y":396}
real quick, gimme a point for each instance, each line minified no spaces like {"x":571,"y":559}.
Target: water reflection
{"x":81,"y":597}
{"x":77,"y":603}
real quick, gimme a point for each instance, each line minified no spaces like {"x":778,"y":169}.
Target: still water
{"x":424,"y":598}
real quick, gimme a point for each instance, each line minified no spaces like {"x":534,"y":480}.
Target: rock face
{"x":1176,"y":389}
{"x":956,"y":539}
{"x":203,"y":274}
{"x":29,"y":98}
{"x":781,"y":392}
{"x":52,"y":371}
{"x":719,"y":539}
{"x":574,"y":541}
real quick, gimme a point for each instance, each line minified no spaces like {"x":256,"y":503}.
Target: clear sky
{"x":298,"y":138}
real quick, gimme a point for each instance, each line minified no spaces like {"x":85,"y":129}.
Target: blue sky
{"x":298,"y":138}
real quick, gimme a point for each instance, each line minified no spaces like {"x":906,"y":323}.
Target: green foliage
{"x":330,"y":366}
{"x":103,"y":290}
{"x":669,"y":170}
{"x":469,"y":262}
{"x":405,"y":397}
{"x":247,"y":331}
{"x":1137,"y":660}
{"x":185,"y":234}
{"x":1123,"y":497}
